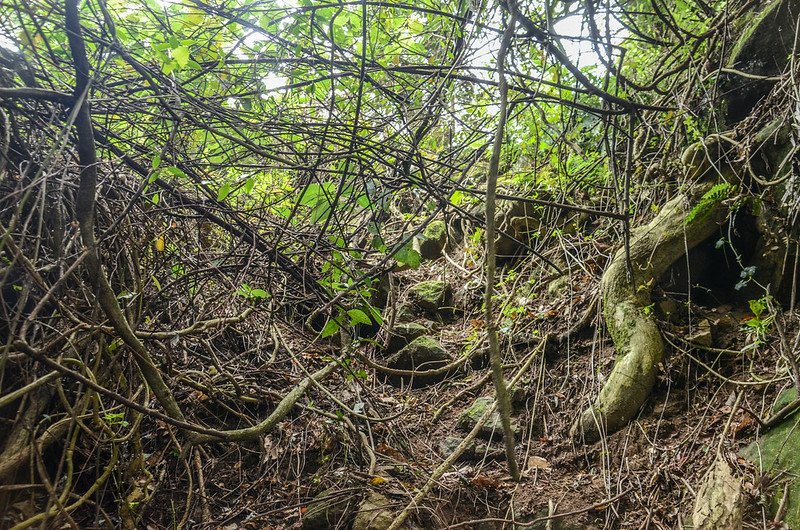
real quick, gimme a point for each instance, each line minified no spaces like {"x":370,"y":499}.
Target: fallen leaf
{"x":483,"y":481}
{"x":537,"y":462}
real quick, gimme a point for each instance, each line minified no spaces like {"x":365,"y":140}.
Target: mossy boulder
{"x":432,"y":296}
{"x":404,"y":333}
{"x":421,"y":354}
{"x":433,"y":240}
{"x":377,"y":512}
{"x":762,"y":50}
{"x":328,"y":510}
{"x":778,"y":451}
{"x":493,"y":428}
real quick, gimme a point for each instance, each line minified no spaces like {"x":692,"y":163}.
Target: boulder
{"x":404,"y":333}
{"x":376,"y":513}
{"x":763,"y":50}
{"x":432,"y":296}
{"x":474,"y":450}
{"x":493,"y":428}
{"x":776,"y":452}
{"x":433,"y":240}
{"x":422,"y":353}
{"x":328,"y":510}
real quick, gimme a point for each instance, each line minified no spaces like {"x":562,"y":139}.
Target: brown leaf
{"x":484,"y":481}
{"x":537,"y":462}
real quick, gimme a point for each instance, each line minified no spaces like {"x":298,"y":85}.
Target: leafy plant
{"x":760,"y":322}
{"x":710,"y":200}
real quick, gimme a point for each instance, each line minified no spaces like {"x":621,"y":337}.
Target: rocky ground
{"x":360,"y":471}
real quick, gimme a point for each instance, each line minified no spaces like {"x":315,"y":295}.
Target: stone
{"x":702,"y":335}
{"x":762,"y":49}
{"x":403,"y":333}
{"x":376,"y":513}
{"x":328,"y":510}
{"x":668,"y":309}
{"x":422,"y":353}
{"x":449,"y":445}
{"x":557,"y":287}
{"x":776,"y":452}
{"x":381,"y":287}
{"x":433,"y":296}
{"x":492,"y":429}
{"x":433,"y":240}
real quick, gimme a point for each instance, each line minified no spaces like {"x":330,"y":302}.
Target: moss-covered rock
{"x":762,"y":50}
{"x":329,"y":510}
{"x":778,"y":451}
{"x":493,"y":428}
{"x":423,"y":353}
{"x":404,"y":333}
{"x":432,"y":296}
{"x":377,"y":513}
{"x":433,"y":240}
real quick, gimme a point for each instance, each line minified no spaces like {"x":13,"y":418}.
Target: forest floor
{"x":644,"y":476}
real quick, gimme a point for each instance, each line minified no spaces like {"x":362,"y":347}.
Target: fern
{"x":710,"y":199}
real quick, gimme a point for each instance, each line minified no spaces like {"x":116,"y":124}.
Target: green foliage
{"x":710,"y":200}
{"x":252,"y":293}
{"x":761,"y":321}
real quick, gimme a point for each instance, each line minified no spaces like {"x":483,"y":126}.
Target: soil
{"x":643,"y":476}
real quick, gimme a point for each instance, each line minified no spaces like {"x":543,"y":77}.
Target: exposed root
{"x":637,"y":339}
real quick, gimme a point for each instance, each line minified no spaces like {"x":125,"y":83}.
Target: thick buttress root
{"x":637,"y":339}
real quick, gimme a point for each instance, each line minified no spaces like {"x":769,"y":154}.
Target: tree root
{"x":653,"y":249}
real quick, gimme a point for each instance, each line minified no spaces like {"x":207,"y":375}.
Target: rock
{"x":493,"y":428}
{"x":776,"y":452}
{"x":786,"y":397}
{"x":433,"y":240}
{"x":719,"y":499}
{"x":404,"y":313}
{"x":328,"y":510}
{"x":557,"y":287}
{"x":376,"y":513}
{"x":422,"y":353}
{"x":762,"y":50}
{"x":432,"y":296}
{"x":381,"y":286}
{"x":449,"y":445}
{"x":475,"y":450}
{"x":702,"y":335}
{"x":668,"y":309}
{"x":403,"y":333}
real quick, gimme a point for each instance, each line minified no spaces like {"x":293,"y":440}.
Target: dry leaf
{"x":537,"y":462}
{"x":483,"y":481}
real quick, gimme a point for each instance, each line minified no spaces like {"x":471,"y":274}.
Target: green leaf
{"x":168,"y":67}
{"x":223,"y":192}
{"x":364,"y":201}
{"x":177,"y":172}
{"x":181,"y":55}
{"x":330,"y":328}
{"x":155,"y":162}
{"x":357,"y":316}
{"x":249,"y":185}
{"x":408,"y":256}
{"x":155,"y":198}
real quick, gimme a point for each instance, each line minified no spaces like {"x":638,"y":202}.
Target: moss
{"x":776,"y":452}
{"x":422,"y":353}
{"x":637,"y":339}
{"x":432,"y":296}
{"x":434,"y":238}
